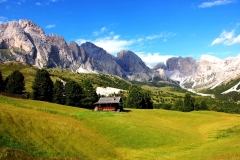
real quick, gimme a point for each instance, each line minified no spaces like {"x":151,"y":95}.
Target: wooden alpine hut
{"x":109,"y":104}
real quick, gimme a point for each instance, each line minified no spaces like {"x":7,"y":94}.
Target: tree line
{"x":71,"y":93}
{"x":187,"y":104}
{"x":84,"y":95}
{"x":14,"y":83}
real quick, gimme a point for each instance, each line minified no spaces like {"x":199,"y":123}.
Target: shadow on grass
{"x":126,"y":110}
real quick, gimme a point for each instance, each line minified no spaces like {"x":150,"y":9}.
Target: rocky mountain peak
{"x":30,"y":27}
{"x":24,"y":41}
{"x":130,"y":62}
{"x":133,"y":66}
{"x":102,"y":60}
{"x":186,"y":66}
{"x":160,"y":65}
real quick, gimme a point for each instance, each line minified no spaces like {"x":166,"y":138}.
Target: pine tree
{"x":134,"y":98}
{"x":203,"y":105}
{"x":188,"y":103}
{"x":89,"y":95}
{"x":138,"y":98}
{"x":42,"y":86}
{"x":2,"y":83}
{"x":15,"y":83}
{"x":147,"y":102}
{"x":58,"y":92}
{"x":178,"y":105}
{"x":73,"y":93}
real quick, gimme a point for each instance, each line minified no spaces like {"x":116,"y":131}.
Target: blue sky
{"x":154,"y":29}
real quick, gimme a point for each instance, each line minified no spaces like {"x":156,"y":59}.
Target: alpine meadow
{"x":32,"y":129}
{"x":119,"y":80}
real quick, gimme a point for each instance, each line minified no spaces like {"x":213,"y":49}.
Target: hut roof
{"x":107,"y":100}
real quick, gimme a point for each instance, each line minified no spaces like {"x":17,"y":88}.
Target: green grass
{"x":29,"y":73}
{"x":36,"y":130}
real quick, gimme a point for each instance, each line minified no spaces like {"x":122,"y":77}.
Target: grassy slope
{"x":29,"y":73}
{"x":39,"y":129}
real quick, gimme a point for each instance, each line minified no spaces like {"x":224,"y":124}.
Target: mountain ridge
{"x":27,"y":42}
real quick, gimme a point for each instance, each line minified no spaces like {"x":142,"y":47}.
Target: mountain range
{"x":24,"y":41}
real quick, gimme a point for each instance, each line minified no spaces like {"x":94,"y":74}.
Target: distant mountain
{"x":24,"y":41}
{"x":208,"y":72}
{"x":133,"y":67}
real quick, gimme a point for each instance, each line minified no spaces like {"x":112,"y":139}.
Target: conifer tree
{"x":89,"y":95}
{"x":73,"y":93}
{"x":138,"y":98}
{"x":178,"y":105}
{"x":58,"y":92}
{"x":203,"y":105}
{"x":15,"y":83}
{"x":42,"y":86}
{"x":2,"y":83}
{"x":188,"y":103}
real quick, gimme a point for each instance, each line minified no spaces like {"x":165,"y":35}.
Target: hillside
{"x":103,"y":80}
{"x":53,"y":131}
{"x":226,"y":91}
{"x":162,"y":93}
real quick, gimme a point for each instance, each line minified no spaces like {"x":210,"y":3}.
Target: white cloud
{"x":155,"y":58}
{"x":161,"y":35}
{"x":38,"y":3}
{"x":112,"y":33}
{"x":81,"y":41}
{"x":102,"y":30}
{"x":227,"y":38}
{"x":210,"y":58}
{"x":215,"y":3}
{"x":50,"y":26}
{"x":54,"y":0}
{"x":1,"y":1}
{"x":2,"y":19}
{"x":112,"y":44}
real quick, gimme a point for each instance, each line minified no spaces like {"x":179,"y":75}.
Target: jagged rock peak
{"x":133,"y":66}
{"x":104,"y":61}
{"x":160,"y":65}
{"x":30,"y":26}
{"x":123,"y":53}
{"x":130,"y":62}
{"x":187,"y":65}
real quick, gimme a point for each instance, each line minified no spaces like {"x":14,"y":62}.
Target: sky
{"x":153,"y":29}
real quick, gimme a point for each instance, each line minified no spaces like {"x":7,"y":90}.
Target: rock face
{"x":208,"y":72}
{"x":133,"y":67}
{"x":160,"y":65}
{"x":24,"y":41}
{"x":102,"y":61}
{"x":28,"y":43}
{"x":186,"y":66}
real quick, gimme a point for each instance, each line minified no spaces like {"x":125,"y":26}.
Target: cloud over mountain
{"x":227,"y":38}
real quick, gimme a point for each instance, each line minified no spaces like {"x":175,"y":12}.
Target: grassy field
{"x":40,"y":130}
